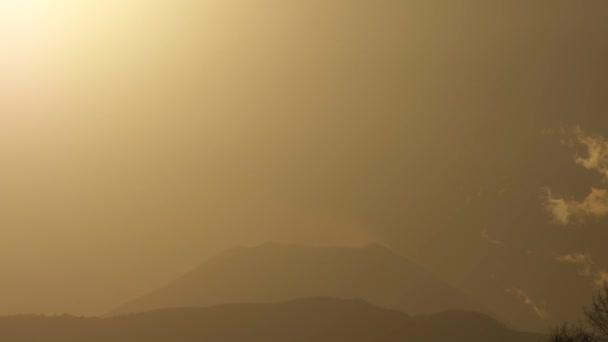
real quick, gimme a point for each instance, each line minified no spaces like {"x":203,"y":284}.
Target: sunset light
{"x":303,"y":170}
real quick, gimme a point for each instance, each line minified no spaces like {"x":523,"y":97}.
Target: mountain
{"x":314,"y":319}
{"x":274,"y":273}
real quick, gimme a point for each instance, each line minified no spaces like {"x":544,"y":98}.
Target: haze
{"x":139,"y":138}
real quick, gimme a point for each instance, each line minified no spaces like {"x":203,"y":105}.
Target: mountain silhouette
{"x":274,"y":273}
{"x":313,"y":319}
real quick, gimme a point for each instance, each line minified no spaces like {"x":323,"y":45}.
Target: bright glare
{"x":22,"y":26}
{"x":25,"y":27}
{"x":22,"y":16}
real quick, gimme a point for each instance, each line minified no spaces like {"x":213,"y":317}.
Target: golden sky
{"x":139,"y":137}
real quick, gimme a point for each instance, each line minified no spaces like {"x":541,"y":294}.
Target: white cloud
{"x":521,"y":295}
{"x":595,"y":205}
{"x":565,"y":211}
{"x":597,"y":152}
{"x":601,"y":278}
{"x":587,"y":268}
{"x":558,"y":207}
{"x":583,"y":261}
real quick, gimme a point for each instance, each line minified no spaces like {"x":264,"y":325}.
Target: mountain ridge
{"x":305,"y":319}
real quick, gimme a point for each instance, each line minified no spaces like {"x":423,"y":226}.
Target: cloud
{"x":587,"y":268}
{"x":595,"y":205}
{"x":521,"y":295}
{"x":584,"y":261}
{"x":601,"y":278}
{"x":597,"y":152}
{"x":565,"y":211}
{"x":558,"y":207}
{"x":486,"y":237}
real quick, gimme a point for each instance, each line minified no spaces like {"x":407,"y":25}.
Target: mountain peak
{"x":273,"y":272}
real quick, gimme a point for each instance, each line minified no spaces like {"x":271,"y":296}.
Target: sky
{"x":138,"y":138}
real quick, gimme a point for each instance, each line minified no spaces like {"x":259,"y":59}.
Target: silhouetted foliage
{"x":571,"y":333}
{"x":597,"y":314}
{"x":596,"y":329}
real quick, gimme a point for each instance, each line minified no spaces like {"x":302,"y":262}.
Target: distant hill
{"x":274,"y":273}
{"x":315,"y":319}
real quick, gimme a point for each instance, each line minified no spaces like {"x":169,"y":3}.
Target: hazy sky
{"x":139,"y":137}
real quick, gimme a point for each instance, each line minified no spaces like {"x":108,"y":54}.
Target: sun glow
{"x":20,"y":19}
{"x":29,"y":47}
{"x":24,"y":25}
